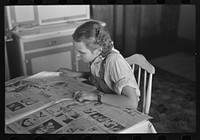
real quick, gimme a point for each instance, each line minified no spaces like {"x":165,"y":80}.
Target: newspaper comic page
{"x":44,"y":104}
{"x":68,"y":117}
{"x":26,"y":96}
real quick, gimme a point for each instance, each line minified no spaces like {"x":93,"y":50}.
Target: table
{"x":143,"y":127}
{"x":71,"y":116}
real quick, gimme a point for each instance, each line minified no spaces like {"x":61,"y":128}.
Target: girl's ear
{"x":100,"y":50}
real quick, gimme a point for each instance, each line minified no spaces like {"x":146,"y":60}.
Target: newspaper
{"x":26,"y":96}
{"x":75,"y":117}
{"x":54,"y":111}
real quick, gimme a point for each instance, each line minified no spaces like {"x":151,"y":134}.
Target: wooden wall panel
{"x":170,"y":21}
{"x":150,"y":20}
{"x":122,"y":23}
{"x":118,"y":30}
{"x":104,"y":13}
{"x":131,"y":28}
{"x":128,"y":24}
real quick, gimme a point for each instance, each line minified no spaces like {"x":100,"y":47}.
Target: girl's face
{"x":84,"y":53}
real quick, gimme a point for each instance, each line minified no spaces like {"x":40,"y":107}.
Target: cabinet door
{"x":21,"y":16}
{"x":50,"y":60}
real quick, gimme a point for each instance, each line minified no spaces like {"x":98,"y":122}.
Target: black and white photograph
{"x":108,"y":68}
{"x":99,"y":117}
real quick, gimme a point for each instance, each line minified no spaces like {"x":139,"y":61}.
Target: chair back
{"x":143,"y":72}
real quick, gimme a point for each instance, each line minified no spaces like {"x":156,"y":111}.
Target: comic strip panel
{"x":21,"y":126}
{"x":86,"y":109}
{"x":33,"y":119}
{"x":16,"y":86}
{"x":113,"y":126}
{"x":99,"y":117}
{"x":63,"y":118}
{"x":55,"y":110}
{"x":47,"y":127}
{"x":29,"y":101}
{"x":15,"y":106}
{"x":132,"y":112}
{"x":77,"y":126}
{"x":89,"y":110}
{"x":73,"y":114}
{"x":101,"y":107}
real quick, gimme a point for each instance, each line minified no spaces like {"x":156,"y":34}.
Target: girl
{"x":109,"y":71}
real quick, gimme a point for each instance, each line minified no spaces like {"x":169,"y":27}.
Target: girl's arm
{"x":72,"y":73}
{"x":127,"y":99}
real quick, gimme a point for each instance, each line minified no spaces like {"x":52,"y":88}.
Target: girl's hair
{"x":94,"y":35}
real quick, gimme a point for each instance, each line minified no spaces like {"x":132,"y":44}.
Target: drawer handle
{"x":52,"y":43}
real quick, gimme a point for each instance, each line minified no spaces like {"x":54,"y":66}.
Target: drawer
{"x":47,"y":43}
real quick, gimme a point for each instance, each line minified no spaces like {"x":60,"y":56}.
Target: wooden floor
{"x":180,"y":63}
{"x":176,"y":56}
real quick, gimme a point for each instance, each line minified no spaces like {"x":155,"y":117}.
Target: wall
{"x":129,"y":25}
{"x":104,"y":13}
{"x":187,"y":22}
{"x":150,"y":20}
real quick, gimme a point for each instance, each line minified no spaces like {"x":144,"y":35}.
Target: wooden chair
{"x":143,"y":72}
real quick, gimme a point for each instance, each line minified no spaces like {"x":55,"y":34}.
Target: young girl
{"x":109,"y":71}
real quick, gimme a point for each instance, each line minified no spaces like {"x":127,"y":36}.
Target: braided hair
{"x":94,"y":35}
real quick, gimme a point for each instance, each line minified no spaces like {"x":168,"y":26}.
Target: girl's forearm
{"x":119,"y":101}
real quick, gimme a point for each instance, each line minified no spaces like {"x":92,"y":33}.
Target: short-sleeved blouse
{"x":112,"y":74}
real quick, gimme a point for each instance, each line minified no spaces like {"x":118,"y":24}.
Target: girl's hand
{"x":68,"y":72}
{"x":85,"y":96}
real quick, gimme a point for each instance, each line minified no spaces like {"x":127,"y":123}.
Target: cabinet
{"x":46,"y":49}
{"x":34,"y":16}
{"x":48,"y":54}
{"x":42,"y":37}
